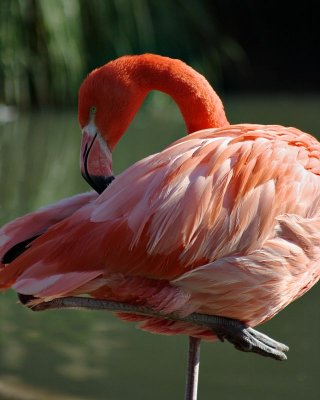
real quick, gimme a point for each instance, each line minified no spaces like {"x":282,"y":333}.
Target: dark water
{"x":66,"y":355}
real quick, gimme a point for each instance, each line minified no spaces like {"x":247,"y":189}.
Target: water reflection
{"x":71,"y":355}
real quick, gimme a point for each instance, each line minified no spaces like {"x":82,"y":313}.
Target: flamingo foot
{"x":243,"y":337}
{"x":249,"y":340}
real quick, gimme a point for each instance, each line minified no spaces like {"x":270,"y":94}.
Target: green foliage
{"x":41,"y":55}
{"x":48,"y":46}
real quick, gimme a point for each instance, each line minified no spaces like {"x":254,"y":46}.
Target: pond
{"x":68,"y":355}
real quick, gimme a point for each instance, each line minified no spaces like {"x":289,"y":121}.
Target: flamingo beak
{"x":95,"y":159}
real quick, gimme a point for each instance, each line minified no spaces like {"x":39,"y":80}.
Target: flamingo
{"x":210,"y":237}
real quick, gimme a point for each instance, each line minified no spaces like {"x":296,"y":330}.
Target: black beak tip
{"x":98,"y":183}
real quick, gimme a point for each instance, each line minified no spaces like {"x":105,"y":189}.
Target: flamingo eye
{"x":93,"y":110}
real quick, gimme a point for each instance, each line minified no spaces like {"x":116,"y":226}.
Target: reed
{"x":47,"y":47}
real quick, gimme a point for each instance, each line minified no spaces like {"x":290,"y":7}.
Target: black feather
{"x":17,"y":250}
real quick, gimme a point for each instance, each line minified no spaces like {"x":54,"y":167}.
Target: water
{"x":68,"y":355}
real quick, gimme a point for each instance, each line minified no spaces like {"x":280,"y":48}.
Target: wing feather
{"x":24,"y":229}
{"x":214,"y":194}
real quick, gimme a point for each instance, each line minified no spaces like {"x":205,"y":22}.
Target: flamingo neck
{"x":119,"y":88}
{"x":199,"y":104}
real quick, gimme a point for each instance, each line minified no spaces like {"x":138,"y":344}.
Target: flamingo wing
{"x":180,"y":216}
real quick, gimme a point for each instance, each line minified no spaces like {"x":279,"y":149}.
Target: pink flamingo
{"x":220,"y":227}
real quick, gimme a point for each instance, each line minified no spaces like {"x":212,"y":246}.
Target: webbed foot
{"x":248,"y":339}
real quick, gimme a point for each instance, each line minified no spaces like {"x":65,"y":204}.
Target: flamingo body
{"x":225,"y":221}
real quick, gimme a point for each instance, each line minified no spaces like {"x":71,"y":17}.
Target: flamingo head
{"x":108,"y":100}
{"x":111,"y":95}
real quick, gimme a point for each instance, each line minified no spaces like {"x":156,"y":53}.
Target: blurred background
{"x":47,"y":47}
{"x":263,"y":60}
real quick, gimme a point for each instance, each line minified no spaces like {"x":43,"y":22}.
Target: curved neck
{"x":199,"y":104}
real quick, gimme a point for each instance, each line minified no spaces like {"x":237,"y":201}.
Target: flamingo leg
{"x":243,"y":338}
{"x":193,"y":369}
